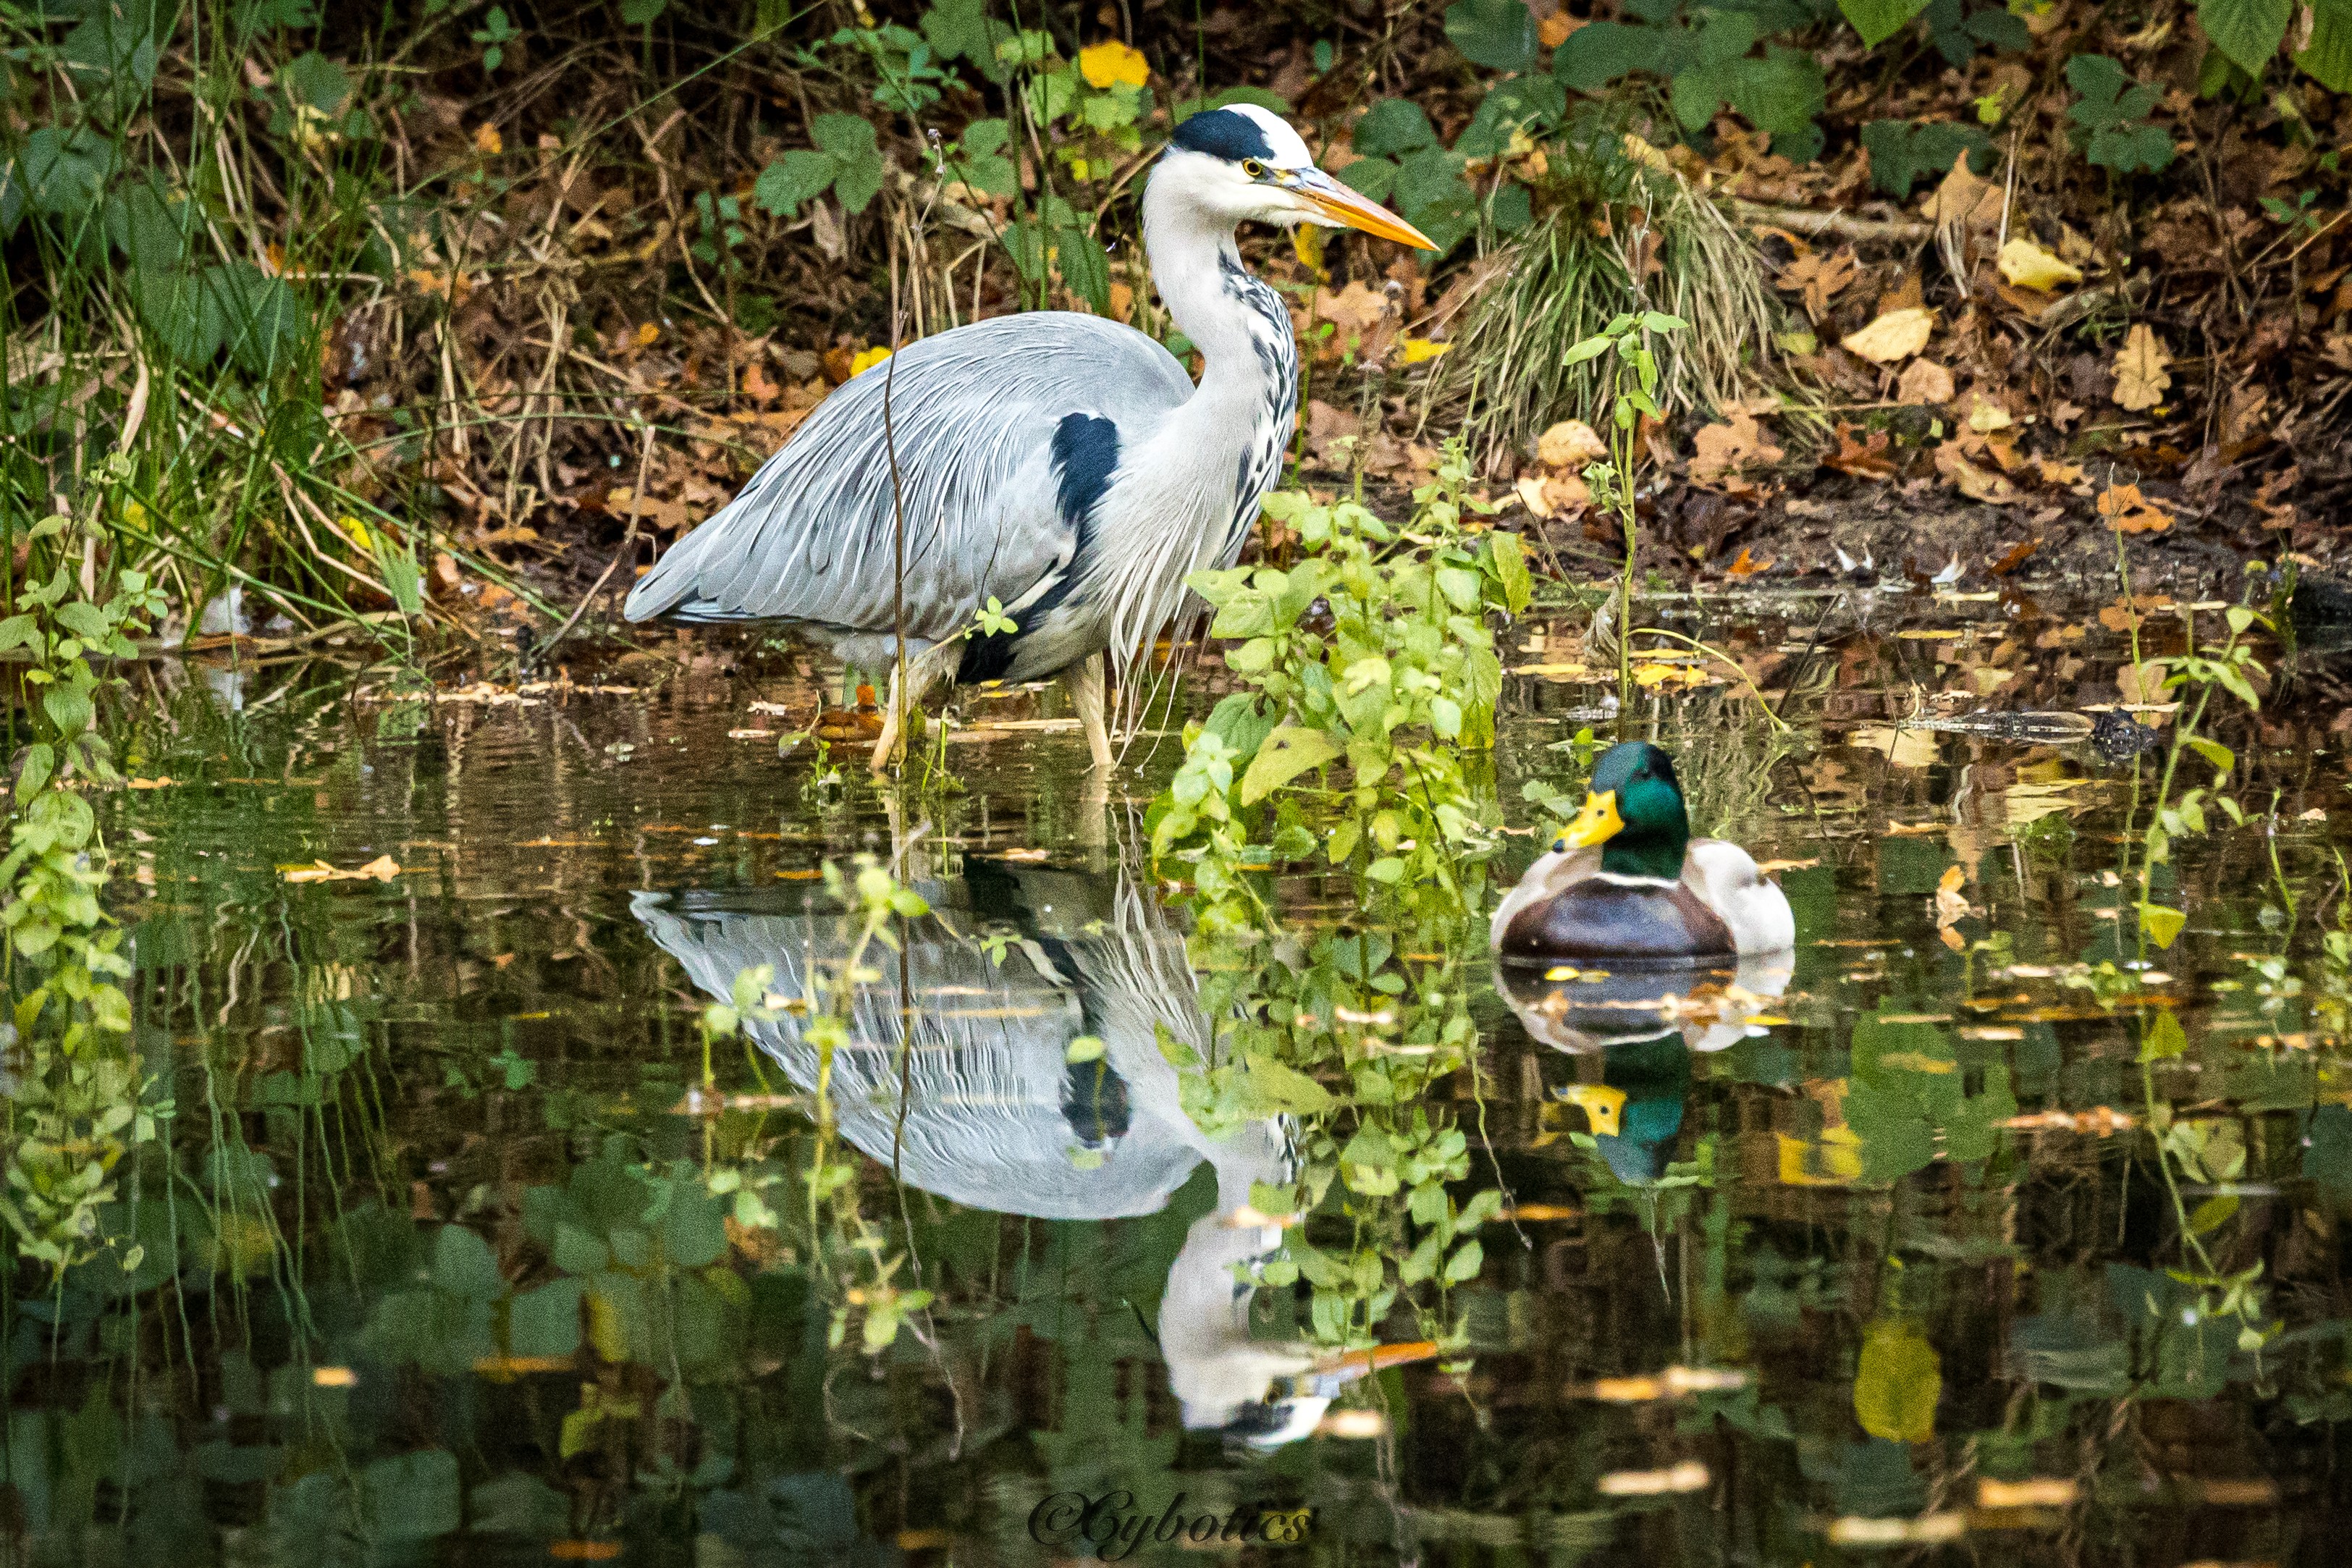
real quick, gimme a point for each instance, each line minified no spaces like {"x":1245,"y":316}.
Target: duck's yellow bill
{"x":1597,"y":823}
{"x":1602,"y":1104}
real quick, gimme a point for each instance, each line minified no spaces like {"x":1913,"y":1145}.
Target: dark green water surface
{"x":2013,"y":1247}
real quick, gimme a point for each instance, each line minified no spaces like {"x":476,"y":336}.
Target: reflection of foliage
{"x":1402,"y":685}
{"x":74,"y":1111}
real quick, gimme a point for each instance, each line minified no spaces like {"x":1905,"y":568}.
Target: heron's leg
{"x":892,"y":711}
{"x":925,"y":672}
{"x":1089,"y":691}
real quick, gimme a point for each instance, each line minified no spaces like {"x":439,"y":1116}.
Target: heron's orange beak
{"x":1328,"y":198}
{"x":1354,"y":1365}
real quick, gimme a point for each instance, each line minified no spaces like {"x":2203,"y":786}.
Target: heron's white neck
{"x":1236,"y":321}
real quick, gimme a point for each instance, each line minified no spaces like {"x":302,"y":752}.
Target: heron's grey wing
{"x":972,"y":418}
{"x":972,"y":1093}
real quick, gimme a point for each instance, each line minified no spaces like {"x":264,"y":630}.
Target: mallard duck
{"x":1626,"y":884}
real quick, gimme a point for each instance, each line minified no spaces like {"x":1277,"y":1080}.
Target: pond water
{"x":464,"y":1237}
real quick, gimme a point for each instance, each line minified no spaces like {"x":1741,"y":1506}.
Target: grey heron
{"x":992,"y":1113}
{"x":1063,"y":465}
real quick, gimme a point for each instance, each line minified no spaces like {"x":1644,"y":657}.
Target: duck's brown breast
{"x":1622,"y":922}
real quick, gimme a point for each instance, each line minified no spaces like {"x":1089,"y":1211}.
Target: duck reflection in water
{"x":1634,"y":1034}
{"x":996,"y":1116}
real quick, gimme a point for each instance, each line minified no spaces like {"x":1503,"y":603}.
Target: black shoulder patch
{"x":1085,"y":454}
{"x":1222,"y":133}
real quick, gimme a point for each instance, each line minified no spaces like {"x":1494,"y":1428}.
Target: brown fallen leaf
{"x":1819,"y":279}
{"x":2128,"y":511}
{"x":1924,"y":383}
{"x":2015,"y":557}
{"x":1987,"y":485}
{"x":1748,"y":565}
{"x":1895,"y":336}
{"x":1570,"y":444}
{"x":2141,"y":377}
{"x":1963,"y":200}
{"x":382,"y":868}
{"x":1718,"y":451}
{"x":1868,"y":457}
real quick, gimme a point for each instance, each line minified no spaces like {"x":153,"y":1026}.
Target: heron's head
{"x":1242,"y":163}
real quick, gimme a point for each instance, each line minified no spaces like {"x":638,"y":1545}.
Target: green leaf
{"x":1897,"y":1383}
{"x":2213,"y":751}
{"x":545,"y":1321}
{"x":41,"y":761}
{"x":1877,"y":20}
{"x":1497,"y":34}
{"x":1274,"y":1088}
{"x":1466,"y":1262}
{"x":2248,"y":31}
{"x":2328,"y":58}
{"x":2161,"y":924}
{"x":64,"y":171}
{"x":68,"y":708}
{"x":463,"y":1265}
{"x":1393,"y":125}
{"x":1903,"y":152}
{"x":2164,"y":1038}
{"x":1287,"y":753}
{"x":316,"y":83}
{"x":1510,"y":561}
{"x":1083,"y":267}
{"x":412,"y":1496}
{"x":1601,"y":52}
{"x":798,"y":176}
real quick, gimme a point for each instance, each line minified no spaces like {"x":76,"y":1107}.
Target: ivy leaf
{"x":1287,"y":753}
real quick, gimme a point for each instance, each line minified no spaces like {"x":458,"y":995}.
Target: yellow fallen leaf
{"x":1951,"y":904}
{"x":1530,"y":490}
{"x":487,"y":141}
{"x":2029,"y":266}
{"x":382,"y":868}
{"x":1418,"y":351}
{"x":867,"y":359}
{"x":1896,"y":336}
{"x":2140,"y":374}
{"x":1111,"y":62}
{"x":1569,"y":444}
{"x":1988,"y":416}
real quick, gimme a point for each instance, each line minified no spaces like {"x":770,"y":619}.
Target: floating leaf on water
{"x":1689,"y":1475}
{"x":1898,"y":1382}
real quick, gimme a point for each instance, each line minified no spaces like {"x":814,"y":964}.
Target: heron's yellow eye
{"x":1254,"y":169}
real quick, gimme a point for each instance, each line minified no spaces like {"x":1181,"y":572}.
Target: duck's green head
{"x":1635,"y":808}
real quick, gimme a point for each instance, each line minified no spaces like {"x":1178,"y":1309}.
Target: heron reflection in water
{"x":1636,"y":1033}
{"x":996,"y":1117}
